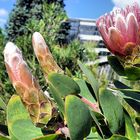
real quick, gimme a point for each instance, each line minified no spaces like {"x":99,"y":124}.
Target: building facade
{"x":84,"y":30}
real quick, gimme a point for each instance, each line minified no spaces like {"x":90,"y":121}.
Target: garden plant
{"x":74,"y":108}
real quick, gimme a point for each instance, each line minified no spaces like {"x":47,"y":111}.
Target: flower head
{"x":44,"y":55}
{"x":120,"y":29}
{"x":17,"y":68}
{"x":39,"y":107}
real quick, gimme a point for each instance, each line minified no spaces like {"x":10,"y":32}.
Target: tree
{"x":23,"y":11}
{"x":50,"y":24}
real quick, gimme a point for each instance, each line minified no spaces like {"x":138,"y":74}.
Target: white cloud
{"x":3,"y":12}
{"x":124,"y":3}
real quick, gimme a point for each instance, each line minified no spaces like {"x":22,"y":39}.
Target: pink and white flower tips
{"x":120,"y":30}
{"x":39,"y":107}
{"x":16,"y":67}
{"x":43,"y":55}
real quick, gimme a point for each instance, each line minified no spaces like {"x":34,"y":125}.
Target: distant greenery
{"x":23,"y":12}
{"x":67,"y":57}
{"x":50,"y":23}
{"x":5,"y":86}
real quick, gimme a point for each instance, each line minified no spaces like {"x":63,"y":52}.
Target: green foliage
{"x":77,"y":117}
{"x":130,"y":130}
{"x":60,"y":87}
{"x":84,"y":91}
{"x":113,"y":113}
{"x":20,"y":126}
{"x":90,"y":52}
{"x":22,"y":13}
{"x":107,"y":122}
{"x":67,"y":57}
{"x":52,"y":17}
{"x":5,"y":87}
{"x":57,"y":97}
{"x":91,"y":78}
{"x":64,"y":84}
{"x":18,"y":119}
{"x":2,"y":104}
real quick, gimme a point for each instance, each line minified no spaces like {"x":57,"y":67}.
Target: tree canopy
{"x":22,"y":13}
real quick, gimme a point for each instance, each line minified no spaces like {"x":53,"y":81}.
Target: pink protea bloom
{"x":120,"y":29}
{"x":40,"y":108}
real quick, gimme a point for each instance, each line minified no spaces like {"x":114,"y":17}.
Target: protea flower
{"x":39,"y":107}
{"x":44,"y":56}
{"x":120,"y":30}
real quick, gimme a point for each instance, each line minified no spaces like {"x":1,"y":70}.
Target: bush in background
{"x":67,"y":57}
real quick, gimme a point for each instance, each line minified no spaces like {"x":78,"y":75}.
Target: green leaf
{"x":48,"y":137}
{"x":132,"y":73}
{"x":77,"y":117}
{"x":20,"y":125}
{"x":112,"y":109}
{"x":57,"y":97}
{"x":116,"y":65}
{"x":91,"y":78}
{"x":118,"y":137}
{"x":2,"y":104}
{"x":64,"y":84}
{"x":85,"y":91}
{"x":129,"y":128}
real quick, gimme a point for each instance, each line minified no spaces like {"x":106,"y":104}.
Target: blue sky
{"x":75,"y":8}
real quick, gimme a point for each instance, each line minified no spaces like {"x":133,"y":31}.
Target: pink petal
{"x":103,"y":32}
{"x":121,"y":25}
{"x":132,"y":27}
{"x":116,"y":40}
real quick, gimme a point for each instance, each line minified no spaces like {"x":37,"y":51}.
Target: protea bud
{"x":44,"y":56}
{"x":120,"y":30}
{"x":39,"y":107}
